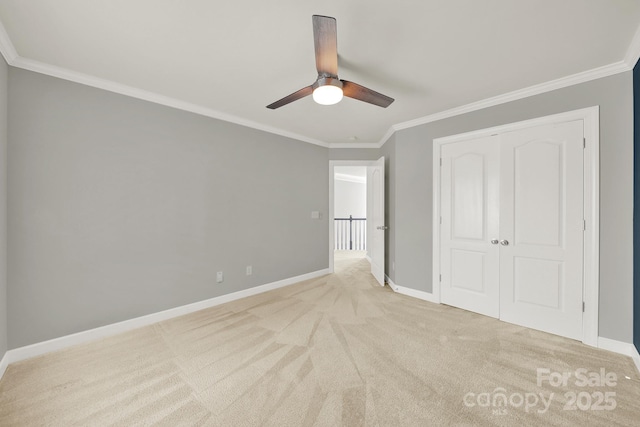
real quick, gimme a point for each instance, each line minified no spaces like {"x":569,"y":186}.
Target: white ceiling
{"x":231,"y":59}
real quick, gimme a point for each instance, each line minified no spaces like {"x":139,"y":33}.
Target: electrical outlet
{"x":249,"y":270}
{"x":219,"y":277}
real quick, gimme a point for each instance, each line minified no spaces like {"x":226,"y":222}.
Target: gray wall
{"x":118,"y":207}
{"x":354,"y":154}
{"x":4,"y":70}
{"x":413,"y":183}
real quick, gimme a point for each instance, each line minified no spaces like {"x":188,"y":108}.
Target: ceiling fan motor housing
{"x":327,"y":81}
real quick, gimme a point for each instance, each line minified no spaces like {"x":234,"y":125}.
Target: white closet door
{"x":469,"y":210}
{"x":541,"y":228}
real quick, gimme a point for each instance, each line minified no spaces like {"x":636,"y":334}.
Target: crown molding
{"x":386,"y":136}
{"x":582,"y":77}
{"x":111,"y":86}
{"x":354,"y":145}
{"x":633,"y":52}
{"x":574,"y":79}
{"x":628,"y":63}
{"x":11,"y":56}
{"x":6,"y":46}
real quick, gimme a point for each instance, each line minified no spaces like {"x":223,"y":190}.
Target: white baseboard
{"x":4,"y":363}
{"x":44,"y":347}
{"x":603,"y":343}
{"x":622,"y":348}
{"x":392,"y":285}
{"x":426,"y":296}
{"x":60,"y":343}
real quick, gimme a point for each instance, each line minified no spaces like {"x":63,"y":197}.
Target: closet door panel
{"x":541,"y":205}
{"x":469,"y":206}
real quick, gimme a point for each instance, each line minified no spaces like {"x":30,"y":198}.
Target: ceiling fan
{"x":328,"y":89}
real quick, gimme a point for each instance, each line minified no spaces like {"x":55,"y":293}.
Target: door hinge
{"x":584,"y":225}
{"x":440,"y":220}
{"x":441,"y":277}
{"x":583,"y":306}
{"x":440,"y":161}
{"x":584,"y":142}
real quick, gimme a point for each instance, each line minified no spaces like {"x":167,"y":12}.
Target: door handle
{"x":382,"y":227}
{"x":494,"y":241}
{"x":504,"y":242}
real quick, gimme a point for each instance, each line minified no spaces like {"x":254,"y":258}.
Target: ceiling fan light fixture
{"x":327,"y":95}
{"x":327,"y":91}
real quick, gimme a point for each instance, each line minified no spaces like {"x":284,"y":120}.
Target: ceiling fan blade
{"x":361,"y":93}
{"x":325,"y":40}
{"x":305,"y":91}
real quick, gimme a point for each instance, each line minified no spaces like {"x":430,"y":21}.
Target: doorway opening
{"x":356,"y":213}
{"x":350,"y":212}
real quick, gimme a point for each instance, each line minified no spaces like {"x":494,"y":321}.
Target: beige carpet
{"x":339,"y":350}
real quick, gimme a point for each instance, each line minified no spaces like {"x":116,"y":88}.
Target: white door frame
{"x":591,"y":267}
{"x":332,"y":165}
